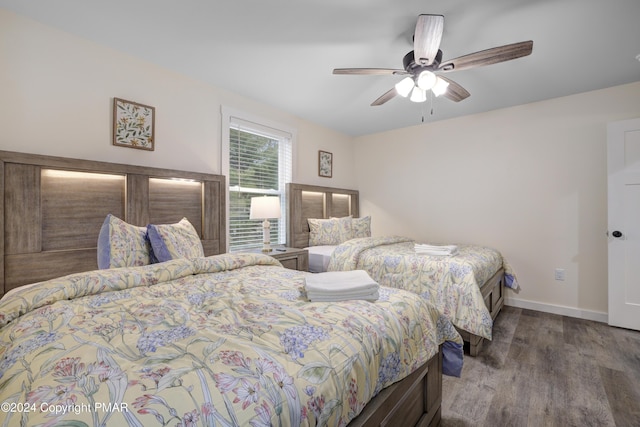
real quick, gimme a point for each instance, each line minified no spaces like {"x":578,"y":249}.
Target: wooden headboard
{"x":312,"y":201}
{"x":54,"y":208}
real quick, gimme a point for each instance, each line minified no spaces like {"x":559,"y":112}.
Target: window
{"x":257,"y":160}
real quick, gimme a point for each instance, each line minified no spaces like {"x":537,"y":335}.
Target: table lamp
{"x":265,"y":207}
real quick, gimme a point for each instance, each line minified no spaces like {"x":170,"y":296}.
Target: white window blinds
{"x":260,"y":163}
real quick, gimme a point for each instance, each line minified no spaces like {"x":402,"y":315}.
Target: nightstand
{"x":292,"y":258}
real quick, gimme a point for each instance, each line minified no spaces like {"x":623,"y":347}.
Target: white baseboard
{"x":558,"y":309}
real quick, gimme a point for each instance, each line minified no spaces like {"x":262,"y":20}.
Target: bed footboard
{"x":414,"y":401}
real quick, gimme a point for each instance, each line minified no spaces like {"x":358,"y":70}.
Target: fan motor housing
{"x":410,"y":65}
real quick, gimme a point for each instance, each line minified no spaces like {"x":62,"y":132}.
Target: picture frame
{"x":325,"y":164}
{"x":133,"y":125}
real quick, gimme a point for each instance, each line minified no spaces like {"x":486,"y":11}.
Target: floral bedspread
{"x":228,"y":340}
{"x":451,"y":283}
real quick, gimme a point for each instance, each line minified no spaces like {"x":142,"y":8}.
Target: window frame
{"x":228,"y":115}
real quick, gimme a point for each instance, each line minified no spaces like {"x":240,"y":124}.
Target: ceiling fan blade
{"x":427,"y":37}
{"x":454,"y":92}
{"x":488,"y":56}
{"x":385,"y":97}
{"x":368,"y":71}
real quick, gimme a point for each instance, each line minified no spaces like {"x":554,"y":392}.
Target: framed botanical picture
{"x":325,"y":164}
{"x":133,"y":125}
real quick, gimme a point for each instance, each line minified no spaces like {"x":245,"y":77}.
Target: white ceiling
{"x":282,"y":52}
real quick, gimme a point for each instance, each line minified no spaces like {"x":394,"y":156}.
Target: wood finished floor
{"x":547,"y":370}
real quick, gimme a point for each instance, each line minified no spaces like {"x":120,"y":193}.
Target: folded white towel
{"x":342,"y":294}
{"x":436,"y":247}
{"x":340,"y":281}
{"x":436,"y":253}
{"x":439,"y":250}
{"x":341,"y":285}
{"x":373,"y":296}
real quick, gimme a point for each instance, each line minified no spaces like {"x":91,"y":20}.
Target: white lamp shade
{"x":440,"y":87}
{"x":264,"y":207}
{"x":426,"y":80}
{"x":404,"y":86}
{"x":418,"y":95}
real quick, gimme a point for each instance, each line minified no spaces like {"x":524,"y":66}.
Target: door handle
{"x":616,"y":234}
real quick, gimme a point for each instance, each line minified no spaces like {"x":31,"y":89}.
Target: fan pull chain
{"x":431,"y":101}
{"x":430,"y":106}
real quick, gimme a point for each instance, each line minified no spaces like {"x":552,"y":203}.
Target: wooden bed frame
{"x":493,"y":294}
{"x":414,"y":401}
{"x":53,"y":210}
{"x":312,"y":201}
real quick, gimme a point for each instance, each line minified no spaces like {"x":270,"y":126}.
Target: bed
{"x":222,"y":339}
{"x":467,"y":288}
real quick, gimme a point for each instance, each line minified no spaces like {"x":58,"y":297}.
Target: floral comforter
{"x":451,"y":283}
{"x":226,"y":340}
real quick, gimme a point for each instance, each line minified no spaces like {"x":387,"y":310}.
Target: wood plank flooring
{"x":547,"y":370}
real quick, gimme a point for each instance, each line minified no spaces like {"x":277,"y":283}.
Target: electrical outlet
{"x":559,"y":274}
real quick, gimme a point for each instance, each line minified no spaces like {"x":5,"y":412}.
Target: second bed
{"x":467,"y":287}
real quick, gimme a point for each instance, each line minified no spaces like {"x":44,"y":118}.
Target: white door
{"x":623,"y":168}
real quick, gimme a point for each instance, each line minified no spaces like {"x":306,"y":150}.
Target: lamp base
{"x":266,"y":236}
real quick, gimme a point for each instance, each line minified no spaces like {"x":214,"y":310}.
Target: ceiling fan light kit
{"x":405,"y":86}
{"x":418,"y":95}
{"x":426,"y":80}
{"x":440,"y":87}
{"x":422,"y":63}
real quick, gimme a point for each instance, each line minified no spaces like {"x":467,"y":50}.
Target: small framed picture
{"x":133,"y":125}
{"x":325,"y":164}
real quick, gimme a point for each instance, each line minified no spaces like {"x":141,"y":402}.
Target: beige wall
{"x":57,"y":92}
{"x":530,"y":181}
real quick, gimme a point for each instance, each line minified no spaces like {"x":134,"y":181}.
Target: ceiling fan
{"x":422,"y":63}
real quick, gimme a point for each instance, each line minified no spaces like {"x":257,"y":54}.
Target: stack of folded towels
{"x":341,"y":286}
{"x":441,"y":250}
